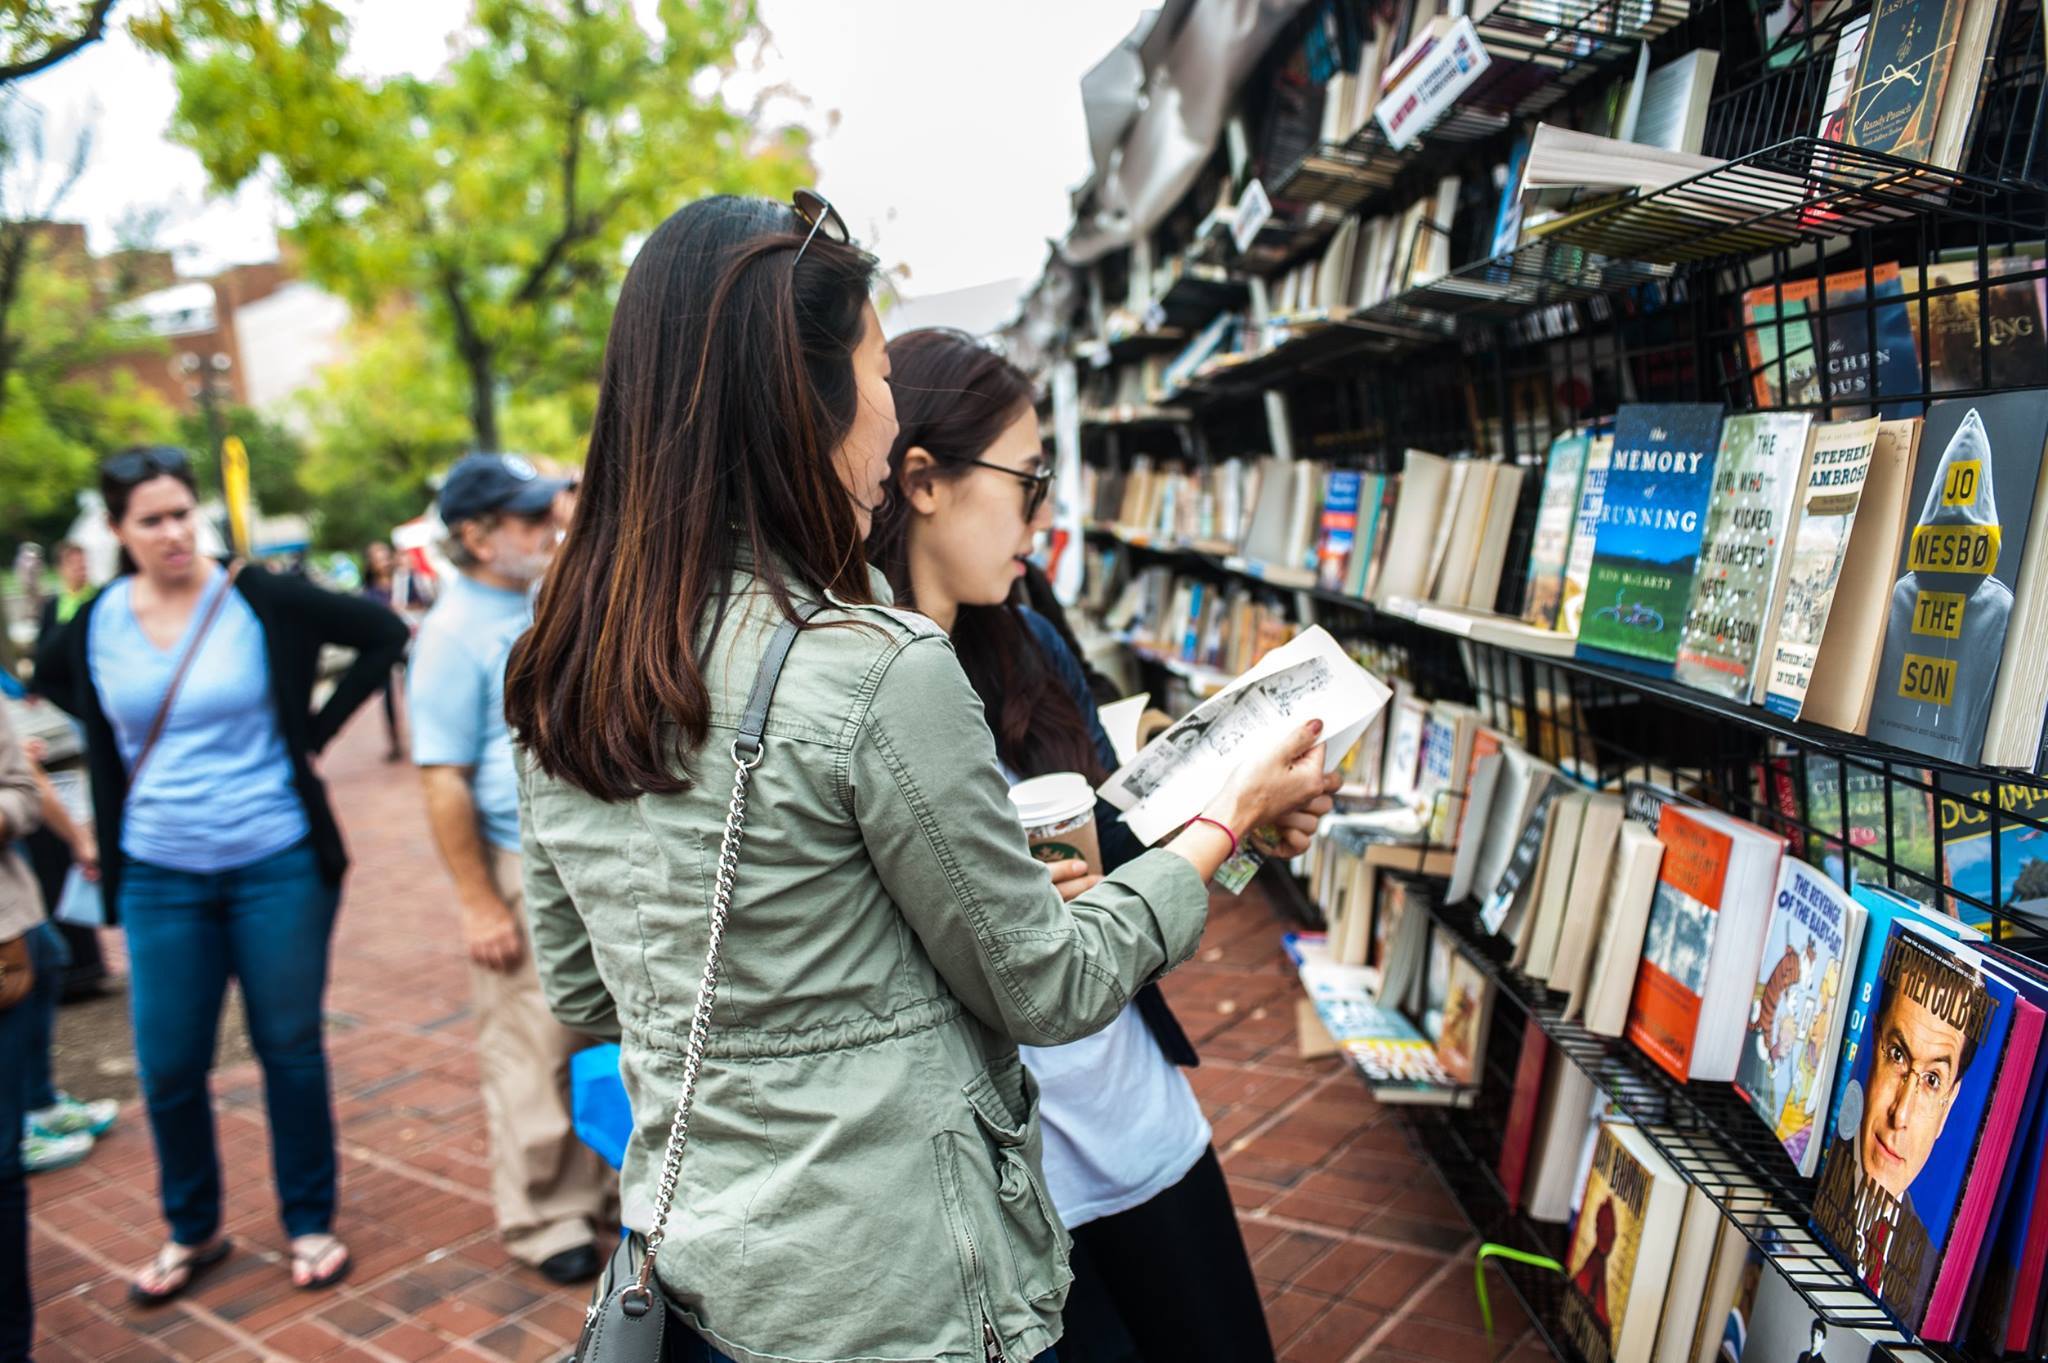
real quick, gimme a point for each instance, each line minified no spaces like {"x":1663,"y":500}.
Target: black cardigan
{"x":297,"y":619}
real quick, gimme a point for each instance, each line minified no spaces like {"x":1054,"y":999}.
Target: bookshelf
{"x":1641,"y":301}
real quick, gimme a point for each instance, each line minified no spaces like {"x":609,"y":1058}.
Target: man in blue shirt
{"x":549,"y":1189}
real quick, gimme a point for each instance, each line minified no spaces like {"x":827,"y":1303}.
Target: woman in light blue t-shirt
{"x":1160,"y":1270}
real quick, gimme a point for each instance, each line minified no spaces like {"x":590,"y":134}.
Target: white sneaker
{"x":68,"y":1116}
{"x":40,"y":1153}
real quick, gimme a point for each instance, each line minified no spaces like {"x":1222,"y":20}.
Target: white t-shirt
{"x":1120,"y":1121}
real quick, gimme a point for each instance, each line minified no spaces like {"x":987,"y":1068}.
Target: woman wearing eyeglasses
{"x":220,"y":856}
{"x":1160,"y":1270}
{"x":861,"y":1179}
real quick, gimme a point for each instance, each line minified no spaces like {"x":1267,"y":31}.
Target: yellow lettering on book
{"x":1938,"y":613}
{"x":1954,"y":549}
{"x":1959,"y":488}
{"x":1932,"y":680}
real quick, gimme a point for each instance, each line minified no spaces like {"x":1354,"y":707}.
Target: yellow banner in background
{"x":234,"y":476}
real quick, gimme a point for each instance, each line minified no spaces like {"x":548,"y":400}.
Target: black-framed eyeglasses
{"x":817,"y":210}
{"x":1037,"y":484}
{"x":140,"y":465}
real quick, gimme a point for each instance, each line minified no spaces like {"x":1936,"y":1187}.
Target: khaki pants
{"x":549,"y":1189}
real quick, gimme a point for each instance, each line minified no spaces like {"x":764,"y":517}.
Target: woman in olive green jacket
{"x":862,"y":1180}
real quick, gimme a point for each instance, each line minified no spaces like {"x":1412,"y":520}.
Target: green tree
{"x":276,"y":457}
{"x":502,"y":196}
{"x":37,"y":34}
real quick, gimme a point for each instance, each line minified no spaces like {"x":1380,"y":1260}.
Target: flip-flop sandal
{"x":333,"y":1275}
{"x":194,"y":1268}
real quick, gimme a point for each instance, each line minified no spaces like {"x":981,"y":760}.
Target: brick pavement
{"x":1359,"y":1253}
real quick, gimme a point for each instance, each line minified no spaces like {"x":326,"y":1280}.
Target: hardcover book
{"x":1869,"y":352}
{"x":1585,"y":529}
{"x":1883,"y":817}
{"x":1556,"y":511}
{"x":1907,"y":59}
{"x":1970,"y":811}
{"x":1621,"y":1248}
{"x":1953,"y":597}
{"x":1798,"y":1010}
{"x":1521,"y":1125}
{"x":1823,"y":518}
{"x":1652,"y":516}
{"x":1913,"y":1107}
{"x":1759,"y":467}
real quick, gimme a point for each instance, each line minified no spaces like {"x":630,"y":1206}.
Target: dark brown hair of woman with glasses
{"x":1160,"y":1270}
{"x":220,"y":856}
{"x":861,"y":1178}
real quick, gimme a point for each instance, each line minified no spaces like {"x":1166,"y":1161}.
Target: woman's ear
{"x":917,"y":480}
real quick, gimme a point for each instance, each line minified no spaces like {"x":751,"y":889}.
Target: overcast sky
{"x":959,"y":125}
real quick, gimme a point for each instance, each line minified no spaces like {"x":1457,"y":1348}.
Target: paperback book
{"x":1622,"y":1244}
{"x":1652,"y":516}
{"x":1585,"y":529}
{"x":1556,"y":511}
{"x":1954,"y":597}
{"x":1797,"y":1013}
{"x":1823,"y":519}
{"x":1759,"y":467}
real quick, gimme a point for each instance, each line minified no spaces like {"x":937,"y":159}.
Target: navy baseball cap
{"x":481,"y":484}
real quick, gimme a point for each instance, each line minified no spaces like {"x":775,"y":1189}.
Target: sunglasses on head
{"x":138,"y":466}
{"x":1037,"y":484}
{"x":814,"y":208}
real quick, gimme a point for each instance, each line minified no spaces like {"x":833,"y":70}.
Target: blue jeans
{"x":50,"y":957}
{"x":267,"y":924}
{"x":17,"y":1322}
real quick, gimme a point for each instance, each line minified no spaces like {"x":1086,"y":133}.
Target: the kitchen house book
{"x":1787,"y":1067}
{"x":1757,"y":472}
{"x":1652,"y":514}
{"x":1556,"y":511}
{"x":1823,"y":519}
{"x":1621,"y":1247}
{"x":1913,"y":1105}
{"x":1953,"y":596}
{"x":1704,"y":938}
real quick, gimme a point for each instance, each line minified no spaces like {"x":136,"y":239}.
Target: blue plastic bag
{"x":604,"y":1119}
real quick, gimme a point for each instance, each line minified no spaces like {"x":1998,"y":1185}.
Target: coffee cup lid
{"x":1052,"y":799}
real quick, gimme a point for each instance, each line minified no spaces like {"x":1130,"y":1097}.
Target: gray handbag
{"x":628,"y":1317}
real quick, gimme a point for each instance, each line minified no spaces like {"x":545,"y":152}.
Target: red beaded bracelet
{"x":1218,"y":823}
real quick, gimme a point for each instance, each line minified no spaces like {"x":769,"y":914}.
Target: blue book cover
{"x":1911,"y":1111}
{"x":1967,"y":820}
{"x":1339,"y":528}
{"x":1191,"y":635}
{"x":1647,"y":544}
{"x":1881,"y":906}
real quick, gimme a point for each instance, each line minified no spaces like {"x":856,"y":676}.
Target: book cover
{"x":1954,"y":594}
{"x":1967,"y":349}
{"x":1404,"y":744}
{"x":1907,"y":57}
{"x":1823,"y":517}
{"x":1468,"y":1006}
{"x":1652,"y":515}
{"x":1912,"y":1109}
{"x":1557,"y":509}
{"x":1373,"y":508}
{"x":1678,"y":946}
{"x":1585,"y":529}
{"x":1338,"y":531}
{"x":1870,"y":351}
{"x":1756,"y":473}
{"x":1798,"y":1010}
{"x":1619,"y":1257}
{"x":1881,"y":816}
{"x":1518,"y":877}
{"x":1513,"y":1166}
{"x":1983,"y":820}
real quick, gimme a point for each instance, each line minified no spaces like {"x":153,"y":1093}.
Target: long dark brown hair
{"x":727,"y":389}
{"x":160,"y":461}
{"x":954,"y":397}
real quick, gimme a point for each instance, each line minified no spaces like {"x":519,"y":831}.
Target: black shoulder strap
{"x":754,"y":723}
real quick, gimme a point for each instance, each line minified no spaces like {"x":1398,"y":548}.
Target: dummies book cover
{"x":1660,"y":477}
{"x":1756,"y":473}
{"x":1911,"y":1110}
{"x":1953,"y":597}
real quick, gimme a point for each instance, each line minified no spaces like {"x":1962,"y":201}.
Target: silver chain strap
{"x":700,"y":1023}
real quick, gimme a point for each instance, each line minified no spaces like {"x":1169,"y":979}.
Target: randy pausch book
{"x":1757,"y":472}
{"x":1908,"y":55}
{"x":1953,"y":598}
{"x":1825,"y":515}
{"x":1912,"y":1108}
{"x":1653,"y":508}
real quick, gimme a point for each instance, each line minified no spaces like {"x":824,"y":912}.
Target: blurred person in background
{"x":550,"y":1191}
{"x":395,"y":591}
{"x":862,"y":1179}
{"x":221,"y":855}
{"x":21,"y":913}
{"x":1160,"y":1269}
{"x":74,"y":589}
